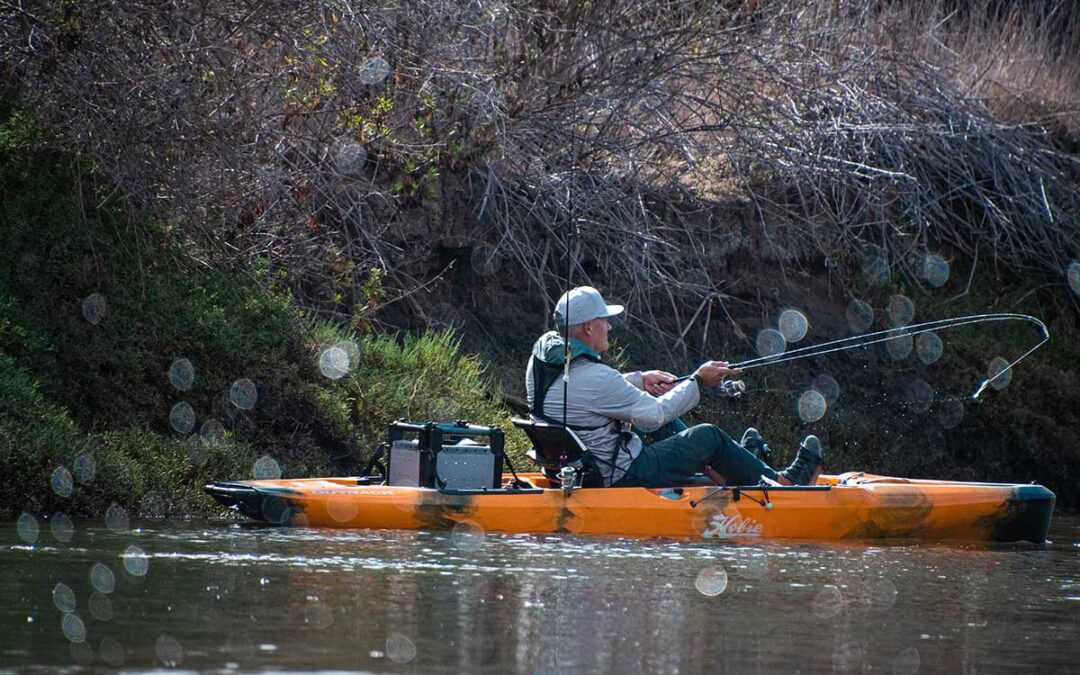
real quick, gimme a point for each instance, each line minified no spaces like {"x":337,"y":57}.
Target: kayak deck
{"x":849,"y":506}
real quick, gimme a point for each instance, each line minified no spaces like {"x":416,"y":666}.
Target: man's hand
{"x":712,"y":373}
{"x":657,"y":382}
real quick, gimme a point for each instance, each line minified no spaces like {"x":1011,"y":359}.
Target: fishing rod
{"x":735,"y":387}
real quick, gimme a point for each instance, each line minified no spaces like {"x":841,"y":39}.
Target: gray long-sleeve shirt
{"x":598,"y":396}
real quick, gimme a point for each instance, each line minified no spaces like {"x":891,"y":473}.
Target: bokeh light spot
{"x":116,"y":518}
{"x":812,"y":406}
{"x":467,"y":535}
{"x":212,"y":432}
{"x":486,"y":260}
{"x":900,"y":310}
{"x":373,"y":71}
{"x":793,"y":325}
{"x":711,"y":581}
{"x":182,"y":417}
{"x":318,"y":614}
{"x":827,"y":386}
{"x":875,"y":270}
{"x":770,"y":342}
{"x":169,"y":651}
{"x":182,"y":374}
{"x":999,"y":365}
{"x":62,"y":482}
{"x":111,"y":652}
{"x":239,"y":647}
{"x":266,"y":468}
{"x":350,"y":159}
{"x":63,"y":530}
{"x":935,"y":270}
{"x":882,"y":595}
{"x":399,"y":648}
{"x":152,"y":505}
{"x":334,"y":363}
{"x":848,"y":658}
{"x":81,"y":653}
{"x":860,"y":316}
{"x":341,"y":509}
{"x":100,"y":606}
{"x":935,"y":439}
{"x":1072,"y":276}
{"x":916,"y":394}
{"x":828,"y":603}
{"x":136,"y":562}
{"x":73,"y":627}
{"x":950,"y":411}
{"x":900,"y":346}
{"x":907,"y":662}
{"x":102,"y":578}
{"x":243,"y":394}
{"x":928,"y":347}
{"x":195,"y":448}
{"x":94,"y":308}
{"x":85,"y":468}
{"x":27,"y":527}
{"x":64,"y":598}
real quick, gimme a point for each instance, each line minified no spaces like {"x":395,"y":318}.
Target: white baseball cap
{"x":585,"y":304}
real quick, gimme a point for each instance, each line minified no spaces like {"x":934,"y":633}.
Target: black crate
{"x":445,"y":455}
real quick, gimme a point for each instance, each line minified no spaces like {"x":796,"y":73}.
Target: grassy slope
{"x":93,"y":400}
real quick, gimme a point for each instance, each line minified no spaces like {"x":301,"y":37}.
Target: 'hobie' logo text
{"x":728,"y":527}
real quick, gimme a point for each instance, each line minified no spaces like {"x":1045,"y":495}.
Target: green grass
{"x":75,"y":393}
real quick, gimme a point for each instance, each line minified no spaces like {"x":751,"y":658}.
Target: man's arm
{"x":613,"y":395}
{"x":655,"y":382}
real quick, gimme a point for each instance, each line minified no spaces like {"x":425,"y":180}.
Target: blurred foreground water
{"x":226,"y":597}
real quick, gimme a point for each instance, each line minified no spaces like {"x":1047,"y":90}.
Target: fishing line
{"x":868,"y":339}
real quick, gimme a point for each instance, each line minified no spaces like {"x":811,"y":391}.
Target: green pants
{"x":674,"y":453}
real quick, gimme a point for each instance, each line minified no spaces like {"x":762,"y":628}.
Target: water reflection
{"x":201,"y":597}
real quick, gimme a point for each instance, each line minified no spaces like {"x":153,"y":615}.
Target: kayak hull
{"x":845,"y":507}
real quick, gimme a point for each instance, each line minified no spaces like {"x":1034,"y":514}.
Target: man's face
{"x":598,"y":333}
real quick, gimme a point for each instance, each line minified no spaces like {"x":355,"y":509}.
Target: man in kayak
{"x":611,"y":411}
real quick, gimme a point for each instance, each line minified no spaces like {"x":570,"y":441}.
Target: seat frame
{"x":554,"y":447}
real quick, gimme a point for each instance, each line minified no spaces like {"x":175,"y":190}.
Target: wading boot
{"x":809,"y":461}
{"x":752,"y":441}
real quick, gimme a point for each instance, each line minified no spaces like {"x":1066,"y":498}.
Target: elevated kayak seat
{"x":554,"y":447}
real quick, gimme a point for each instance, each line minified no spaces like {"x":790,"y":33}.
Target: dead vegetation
{"x":653,"y":140}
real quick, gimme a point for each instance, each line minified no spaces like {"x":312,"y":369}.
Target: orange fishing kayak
{"x":850,"y":506}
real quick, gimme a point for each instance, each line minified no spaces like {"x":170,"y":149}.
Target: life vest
{"x":549,"y":359}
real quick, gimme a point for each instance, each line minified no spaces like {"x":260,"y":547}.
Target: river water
{"x":225,"y":597}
